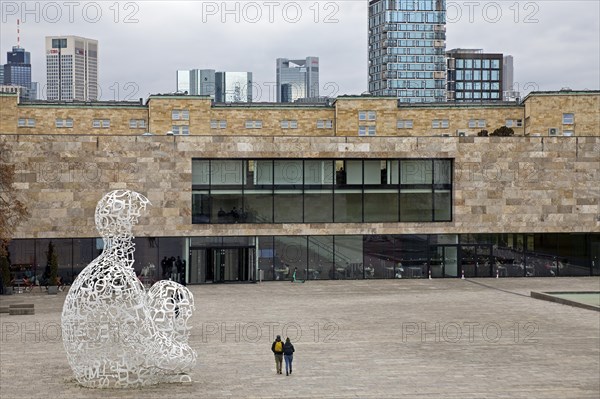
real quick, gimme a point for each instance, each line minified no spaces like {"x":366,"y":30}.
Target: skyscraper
{"x":196,"y":82}
{"x":17,"y":72}
{"x":511,"y":93}
{"x":71,"y":68}
{"x":233,"y":87}
{"x":474,"y":76}
{"x":297,"y":79}
{"x":407,"y":42}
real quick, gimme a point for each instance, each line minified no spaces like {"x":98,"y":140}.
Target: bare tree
{"x":12,"y":210}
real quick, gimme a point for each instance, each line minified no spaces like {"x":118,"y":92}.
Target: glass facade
{"x":297,"y":79}
{"x":321,"y":190}
{"x":407,"y":44}
{"x":233,"y":87}
{"x":327,"y":257}
{"x":474,"y":76}
{"x":17,"y":72}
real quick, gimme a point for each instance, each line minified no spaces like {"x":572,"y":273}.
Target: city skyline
{"x":551,"y":49}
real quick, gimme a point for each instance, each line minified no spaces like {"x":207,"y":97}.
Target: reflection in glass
{"x":416,"y":205}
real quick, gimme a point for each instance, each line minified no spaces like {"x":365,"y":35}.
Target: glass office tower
{"x":233,"y":87}
{"x":17,"y":72}
{"x":407,"y":44}
{"x":297,"y":79}
{"x":474,"y":76}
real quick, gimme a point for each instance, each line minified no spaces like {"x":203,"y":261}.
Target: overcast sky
{"x":555,"y":44}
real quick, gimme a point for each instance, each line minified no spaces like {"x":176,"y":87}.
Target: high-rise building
{"x":297,"y":79}
{"x":510,"y":92}
{"x":407,"y":43}
{"x":183,"y":81}
{"x":71,"y":68}
{"x":474,"y":76}
{"x":233,"y":87}
{"x":17,"y":72}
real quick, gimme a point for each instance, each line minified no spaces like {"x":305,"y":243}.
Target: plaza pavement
{"x":474,"y":338}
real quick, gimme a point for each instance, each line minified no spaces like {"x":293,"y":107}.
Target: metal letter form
{"x":115,"y":333}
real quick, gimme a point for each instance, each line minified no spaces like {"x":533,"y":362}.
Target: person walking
{"x":288,"y":354}
{"x":277,"y":349}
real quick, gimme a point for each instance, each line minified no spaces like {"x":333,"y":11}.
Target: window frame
{"x":568,"y":116}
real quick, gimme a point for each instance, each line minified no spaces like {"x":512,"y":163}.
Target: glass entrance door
{"x":475,"y":260}
{"x":218,"y":265}
{"x":444,"y":261}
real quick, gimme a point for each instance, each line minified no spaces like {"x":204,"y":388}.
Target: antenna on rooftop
{"x":18,"y":34}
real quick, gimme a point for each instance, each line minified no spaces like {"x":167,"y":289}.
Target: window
{"x":404,"y":124}
{"x":61,"y":123}
{"x":285,"y":124}
{"x":366,"y":130}
{"x":218,"y":124}
{"x":101,"y":123}
{"x":314,"y":190}
{"x":180,"y":115}
{"x":253,"y":124}
{"x":137,"y":123}
{"x":440,"y":123}
{"x":476,"y":123}
{"x":568,"y":119}
{"x":324,"y":124}
{"x":514,"y":123}
{"x":181,"y":129}
{"x":367,"y":115}
{"x":30,"y":122}
{"x":21,"y":122}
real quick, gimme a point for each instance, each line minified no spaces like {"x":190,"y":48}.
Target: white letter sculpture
{"x":116,"y":334}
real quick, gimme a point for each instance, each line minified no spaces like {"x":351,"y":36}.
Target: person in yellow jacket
{"x":277,"y":349}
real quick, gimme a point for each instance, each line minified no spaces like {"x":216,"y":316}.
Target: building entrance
{"x":219,"y":265}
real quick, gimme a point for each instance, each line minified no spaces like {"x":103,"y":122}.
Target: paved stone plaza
{"x":366,"y":339}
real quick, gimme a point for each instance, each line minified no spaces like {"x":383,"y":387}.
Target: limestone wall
{"x":501,"y":184}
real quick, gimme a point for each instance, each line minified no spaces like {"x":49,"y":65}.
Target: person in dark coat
{"x":288,"y":354}
{"x":163,"y":266}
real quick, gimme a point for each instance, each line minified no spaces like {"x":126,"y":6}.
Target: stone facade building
{"x":360,"y":188}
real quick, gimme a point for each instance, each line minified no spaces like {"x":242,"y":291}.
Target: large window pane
{"x":263,"y":173}
{"x":288,"y":206}
{"x":200,"y":172}
{"x":374,"y":172}
{"x":320,"y":257}
{"x":416,"y":172}
{"x":318,"y":206}
{"x":266,"y":256}
{"x":416,"y":206}
{"x":227,"y":207}
{"x":200,"y":207}
{"x":381,"y":206}
{"x":443,"y":171}
{"x":290,"y":253}
{"x":348,"y":258}
{"x":443,"y":205}
{"x":288,"y":172}
{"x":317,"y":172}
{"x":258,"y":205}
{"x":226,"y":172}
{"x":348,"y":206}
{"x":354,"y":172}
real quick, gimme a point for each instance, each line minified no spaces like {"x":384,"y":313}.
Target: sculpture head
{"x":118,"y":211}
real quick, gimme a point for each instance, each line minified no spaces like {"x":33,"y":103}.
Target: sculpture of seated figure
{"x":117,"y":335}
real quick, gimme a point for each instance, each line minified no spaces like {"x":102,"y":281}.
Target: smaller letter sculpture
{"x":116,"y":334}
